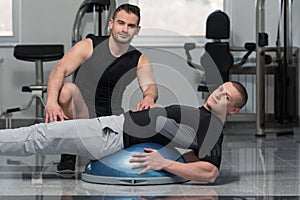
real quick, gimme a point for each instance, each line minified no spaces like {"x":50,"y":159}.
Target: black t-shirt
{"x":175,"y":126}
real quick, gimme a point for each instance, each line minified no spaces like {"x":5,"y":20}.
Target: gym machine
{"x":286,"y":78}
{"x":102,"y":8}
{"x":282,"y":65}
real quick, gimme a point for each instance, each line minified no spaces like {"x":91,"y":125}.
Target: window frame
{"x":16,"y":15}
{"x":166,"y":41}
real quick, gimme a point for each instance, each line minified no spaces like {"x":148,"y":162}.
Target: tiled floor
{"x":252,"y":168}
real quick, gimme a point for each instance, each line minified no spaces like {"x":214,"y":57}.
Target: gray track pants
{"x":91,"y":138}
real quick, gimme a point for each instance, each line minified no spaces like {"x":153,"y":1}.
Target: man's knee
{"x":66,"y":93}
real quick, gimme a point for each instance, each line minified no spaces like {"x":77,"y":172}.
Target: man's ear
{"x":110,"y":24}
{"x":233,"y":111}
{"x":137,"y":30}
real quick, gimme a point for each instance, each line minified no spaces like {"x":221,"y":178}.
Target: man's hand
{"x":150,"y":160}
{"x":54,"y":113}
{"x":145,"y":104}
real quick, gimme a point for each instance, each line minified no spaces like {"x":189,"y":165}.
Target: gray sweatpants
{"x":91,"y":138}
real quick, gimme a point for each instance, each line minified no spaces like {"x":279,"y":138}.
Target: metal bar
{"x":111,"y":10}
{"x":95,"y":19}
{"x":39,"y":81}
{"x":76,"y":26}
{"x":260,"y":72}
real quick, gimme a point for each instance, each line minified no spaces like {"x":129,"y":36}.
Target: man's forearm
{"x":55,"y":82}
{"x":150,"y":92}
{"x":197,"y":171}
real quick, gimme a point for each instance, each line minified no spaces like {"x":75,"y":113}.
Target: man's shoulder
{"x":132,"y":55}
{"x":97,"y":39}
{"x":133,"y":50}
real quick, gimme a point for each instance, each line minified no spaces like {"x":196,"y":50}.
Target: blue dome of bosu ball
{"x":116,"y":168}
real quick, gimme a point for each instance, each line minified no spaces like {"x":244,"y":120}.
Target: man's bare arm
{"x":193,"y":169}
{"x":65,"y":67}
{"x":147,"y":84}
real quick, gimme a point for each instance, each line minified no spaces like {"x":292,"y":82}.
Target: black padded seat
{"x":223,"y":59}
{"x":217,"y":52}
{"x":39,"y":52}
{"x":218,"y":25}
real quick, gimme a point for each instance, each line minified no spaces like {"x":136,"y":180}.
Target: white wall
{"x":177,"y":82}
{"x":51,"y":22}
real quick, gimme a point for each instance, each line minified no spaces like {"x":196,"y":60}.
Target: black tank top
{"x":104,"y":78}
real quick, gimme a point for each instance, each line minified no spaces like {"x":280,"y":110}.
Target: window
{"x":6,"y":18}
{"x":9,"y":21}
{"x":176,"y":17}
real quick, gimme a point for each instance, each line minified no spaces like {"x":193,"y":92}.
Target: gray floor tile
{"x":251,"y":167}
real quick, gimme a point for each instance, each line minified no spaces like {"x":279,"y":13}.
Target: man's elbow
{"x":212,"y":175}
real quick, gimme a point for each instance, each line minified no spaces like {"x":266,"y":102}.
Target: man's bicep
{"x":190,"y":156}
{"x":77,"y":55}
{"x":145,"y":72}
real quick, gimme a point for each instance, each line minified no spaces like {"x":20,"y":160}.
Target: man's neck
{"x":206,"y":107}
{"x":222,"y":116}
{"x":117,"y":49}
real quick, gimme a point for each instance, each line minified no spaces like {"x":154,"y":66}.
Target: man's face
{"x":223,"y":100}
{"x":124,"y":27}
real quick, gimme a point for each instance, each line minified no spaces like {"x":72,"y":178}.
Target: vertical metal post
{"x":287,"y":59}
{"x":8,"y":120}
{"x":95,"y":20}
{"x":290,"y":64}
{"x":260,"y":71}
{"x":39,"y":81}
{"x":288,"y":37}
{"x":39,"y":115}
{"x":110,"y":10}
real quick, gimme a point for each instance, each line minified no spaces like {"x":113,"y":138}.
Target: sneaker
{"x":66,"y":164}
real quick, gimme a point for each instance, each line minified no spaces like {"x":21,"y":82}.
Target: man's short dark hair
{"x":129,"y":9}
{"x":243,"y":92}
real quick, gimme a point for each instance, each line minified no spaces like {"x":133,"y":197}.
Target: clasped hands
{"x":151,"y":160}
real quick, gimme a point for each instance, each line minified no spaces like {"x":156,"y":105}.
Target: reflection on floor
{"x":252,"y":168}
